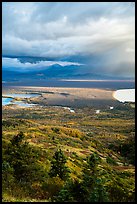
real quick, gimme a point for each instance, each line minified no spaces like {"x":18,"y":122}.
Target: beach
{"x":72,"y":97}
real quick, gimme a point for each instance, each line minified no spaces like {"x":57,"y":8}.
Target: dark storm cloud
{"x":63,"y":29}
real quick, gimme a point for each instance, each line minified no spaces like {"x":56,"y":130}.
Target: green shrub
{"x":52,"y":186}
{"x":110,"y":160}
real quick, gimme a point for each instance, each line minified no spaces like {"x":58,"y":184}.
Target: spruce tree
{"x":58,"y":167}
{"x":93,"y":184}
{"x":22,"y":158}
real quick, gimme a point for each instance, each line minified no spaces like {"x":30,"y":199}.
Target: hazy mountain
{"x":53,"y":72}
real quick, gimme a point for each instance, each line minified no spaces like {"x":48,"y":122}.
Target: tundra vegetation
{"x":50,"y":154}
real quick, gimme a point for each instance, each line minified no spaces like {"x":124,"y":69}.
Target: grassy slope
{"x":78,"y":134}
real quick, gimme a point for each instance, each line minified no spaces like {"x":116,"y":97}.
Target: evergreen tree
{"x":58,"y":167}
{"x":90,"y":189}
{"x":22,"y":158}
{"x":93,"y":184}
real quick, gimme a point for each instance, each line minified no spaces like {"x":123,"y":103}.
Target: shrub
{"x":52,"y":186}
{"x":110,"y":160}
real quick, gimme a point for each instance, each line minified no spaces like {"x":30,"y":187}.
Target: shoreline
{"x":70,"y":97}
{"x":89,"y":92}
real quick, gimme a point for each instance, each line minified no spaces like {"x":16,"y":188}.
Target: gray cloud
{"x":9,"y":63}
{"x":61,"y":29}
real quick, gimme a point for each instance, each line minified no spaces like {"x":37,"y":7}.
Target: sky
{"x":98,"y":37}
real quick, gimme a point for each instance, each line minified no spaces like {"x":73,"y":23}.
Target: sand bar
{"x":74,"y":97}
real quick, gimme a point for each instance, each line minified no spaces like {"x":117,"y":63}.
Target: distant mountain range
{"x":53,"y":72}
{"x":57,"y":71}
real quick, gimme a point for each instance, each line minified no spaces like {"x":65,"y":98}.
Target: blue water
{"x":22,"y":104}
{"x":6,"y":101}
{"x":22,"y":95}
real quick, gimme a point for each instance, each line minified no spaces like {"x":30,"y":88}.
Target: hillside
{"x":109,"y":134}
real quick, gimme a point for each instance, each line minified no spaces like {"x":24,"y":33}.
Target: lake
{"x":103,"y":84}
{"x":125,"y":95}
{"x":7,"y":99}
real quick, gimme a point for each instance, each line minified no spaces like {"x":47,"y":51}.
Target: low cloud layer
{"x":63,"y":29}
{"x":10,"y":63}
